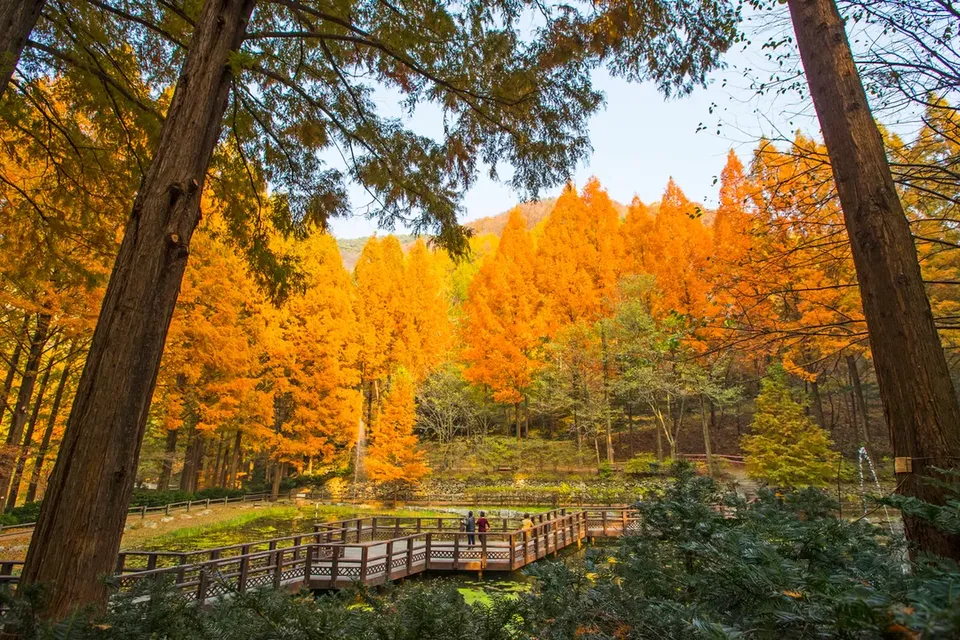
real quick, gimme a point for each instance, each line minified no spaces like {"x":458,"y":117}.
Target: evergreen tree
{"x":786,"y":448}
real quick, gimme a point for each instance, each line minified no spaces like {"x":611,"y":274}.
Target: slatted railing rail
{"x":331,"y":557}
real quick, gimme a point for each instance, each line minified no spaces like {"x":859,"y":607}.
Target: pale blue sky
{"x":640,"y":140}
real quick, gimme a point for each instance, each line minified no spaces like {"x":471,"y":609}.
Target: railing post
{"x":166,"y":510}
{"x":278,"y":569}
{"x":409,"y":556}
{"x":202,"y":586}
{"x":189,"y":502}
{"x":308,"y":566}
{"x":603,"y":519}
{"x":389,"y":567}
{"x":143,"y":512}
{"x":426,"y":558}
{"x":456,"y":550}
{"x":359,"y":529}
{"x":373,"y":535}
{"x":334,"y":565}
{"x":208,"y":504}
{"x":513,"y":551}
{"x":537,"y":532}
{"x":151,"y":561}
{"x":121,"y":560}
{"x":483,"y":550}
{"x":418,"y":525}
{"x":364,"y":556}
{"x":244,"y":568}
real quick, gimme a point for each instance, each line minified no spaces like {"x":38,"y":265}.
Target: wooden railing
{"x":366,"y":550}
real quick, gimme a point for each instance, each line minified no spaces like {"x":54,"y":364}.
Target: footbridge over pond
{"x":370,"y":551}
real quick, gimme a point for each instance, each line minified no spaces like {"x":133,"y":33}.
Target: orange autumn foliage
{"x":393,"y":456}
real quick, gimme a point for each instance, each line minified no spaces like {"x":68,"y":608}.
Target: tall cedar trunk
{"x":189,"y":456}
{"x":817,"y":404}
{"x":861,"y":401}
{"x":8,"y":381}
{"x":77,"y":536}
{"x":234,"y":462}
{"x":707,"y":447}
{"x":277,"y":476}
{"x":166,"y":465}
{"x":28,"y":439}
{"x":199,"y":455}
{"x":516,"y":418}
{"x":606,"y":396}
{"x":47,"y":435}
{"x":24,"y":395}
{"x":214,"y":475}
{"x":17,"y":19}
{"x":221,"y":479}
{"x":918,"y":396}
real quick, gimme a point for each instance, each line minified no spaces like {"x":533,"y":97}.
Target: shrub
{"x":642,"y":464}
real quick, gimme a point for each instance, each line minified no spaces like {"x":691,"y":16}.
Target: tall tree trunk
{"x":200,"y":455}
{"x":234,"y":462}
{"x":189,"y":458}
{"x":28,"y":439}
{"x":24,"y":395}
{"x":166,"y":465}
{"x":17,"y":19}
{"x":77,"y":536}
{"x":47,"y":435}
{"x":277,"y":476}
{"x":707,"y":447}
{"x":221,"y":480}
{"x":861,"y":401}
{"x":918,"y":396}
{"x":659,"y":431}
{"x":11,"y":374}
{"x":606,"y":393}
{"x":213,"y":472}
{"x":817,"y":404}
{"x":516,"y":418}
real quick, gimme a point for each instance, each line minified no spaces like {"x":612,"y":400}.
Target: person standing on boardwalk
{"x":483,"y":525}
{"x":527,"y":522}
{"x":470,"y":526}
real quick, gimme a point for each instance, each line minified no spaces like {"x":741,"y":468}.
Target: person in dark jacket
{"x":470,"y":525}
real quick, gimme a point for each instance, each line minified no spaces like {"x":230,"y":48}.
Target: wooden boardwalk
{"x":371,"y":551}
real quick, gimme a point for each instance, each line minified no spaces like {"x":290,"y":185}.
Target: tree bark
{"x":234,"y":462}
{"x":27,"y":440}
{"x":189,"y":459}
{"x":277,"y":476}
{"x":166,"y":465}
{"x":24,"y":395}
{"x":47,"y":435}
{"x":707,"y":447}
{"x":78,"y":533}
{"x":17,"y":19}
{"x":817,"y":404}
{"x":918,"y":396}
{"x":861,"y":402}
{"x":11,"y":374}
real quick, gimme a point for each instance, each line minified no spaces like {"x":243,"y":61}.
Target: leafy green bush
{"x":22,"y":514}
{"x":642,"y":464}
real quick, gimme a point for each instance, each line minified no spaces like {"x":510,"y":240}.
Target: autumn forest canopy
{"x":177,"y":317}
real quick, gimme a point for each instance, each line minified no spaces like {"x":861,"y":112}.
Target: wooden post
{"x":537,"y":532}
{"x":483,"y":550}
{"x":419,"y":521}
{"x":335,"y":565}
{"x":202,"y":586}
{"x":389,"y":567}
{"x":308,"y":566}
{"x":410,"y":542}
{"x":297,"y":542}
{"x":373,"y":536}
{"x":426,"y":559}
{"x":364,"y":554}
{"x":359,"y":529}
{"x":277,"y":568}
{"x":151,"y":561}
{"x":189,"y":502}
{"x":456,"y":550}
{"x":604,"y":521}
{"x":143,"y":512}
{"x":513,"y":551}
{"x":121,"y":560}
{"x":244,"y":568}
{"x":208,"y":503}
{"x":166,"y":510}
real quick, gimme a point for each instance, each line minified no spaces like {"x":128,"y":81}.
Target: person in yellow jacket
{"x":527,"y":522}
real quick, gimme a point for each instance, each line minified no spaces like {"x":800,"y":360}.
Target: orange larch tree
{"x":393,"y":458}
